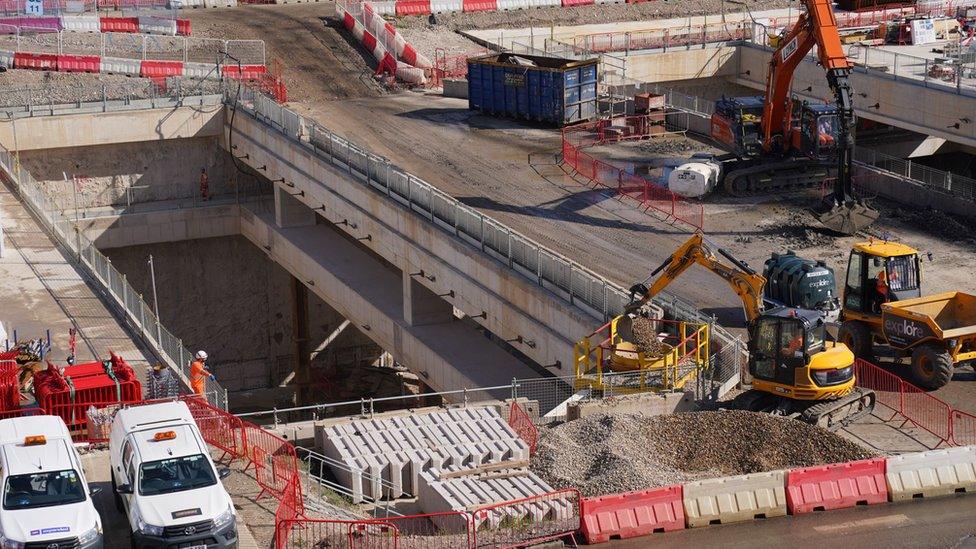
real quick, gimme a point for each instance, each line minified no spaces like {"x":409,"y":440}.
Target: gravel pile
{"x":645,"y":338}
{"x":611,"y":453}
{"x":580,"y":15}
{"x":664,"y":146}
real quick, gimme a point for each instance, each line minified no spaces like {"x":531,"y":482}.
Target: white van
{"x":46,"y":500}
{"x":165,"y":481}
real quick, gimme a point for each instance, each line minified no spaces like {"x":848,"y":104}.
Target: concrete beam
{"x":112,"y":229}
{"x":543,"y":326}
{"x":422,"y":306}
{"x":682,"y":64}
{"x":361,"y":287}
{"x":289,"y":211}
{"x":82,"y":130}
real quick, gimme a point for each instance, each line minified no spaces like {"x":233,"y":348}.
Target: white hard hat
{"x":202,"y":355}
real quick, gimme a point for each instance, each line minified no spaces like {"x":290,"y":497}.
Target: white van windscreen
{"x":175,"y":475}
{"x":43,"y":490}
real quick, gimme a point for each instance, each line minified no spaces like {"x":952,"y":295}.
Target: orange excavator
{"x":783,"y":143}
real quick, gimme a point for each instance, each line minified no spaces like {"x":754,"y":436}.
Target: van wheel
{"x":117,"y":496}
{"x":931,"y":367}
{"x":857,"y":336}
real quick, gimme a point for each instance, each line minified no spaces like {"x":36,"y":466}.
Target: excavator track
{"x":829,"y":414}
{"x":786,"y":175}
{"x":835,"y":414}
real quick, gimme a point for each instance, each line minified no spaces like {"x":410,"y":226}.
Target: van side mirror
{"x":94,"y":489}
{"x":223,"y":472}
{"x":125,"y":489}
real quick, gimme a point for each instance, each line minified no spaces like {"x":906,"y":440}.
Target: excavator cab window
{"x":854,"y":289}
{"x":779,"y":348}
{"x":820,"y":131}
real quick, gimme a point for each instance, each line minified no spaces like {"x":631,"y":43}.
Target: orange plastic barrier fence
{"x":912,"y":403}
{"x":529,"y":520}
{"x":522,"y":424}
{"x":119,"y":24}
{"x":480,"y":5}
{"x":218,"y":428}
{"x":9,"y":385}
{"x":183,"y":27}
{"x":836,"y":486}
{"x":632,"y":514}
{"x":79,"y":63}
{"x":963,"y":428}
{"x":649,"y":195}
{"x":412,"y":7}
{"x":274,"y":459}
{"x":36,"y":61}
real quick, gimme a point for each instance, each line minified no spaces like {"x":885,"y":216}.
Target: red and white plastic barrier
{"x":79,"y":63}
{"x":412,"y":7}
{"x":387,"y":63}
{"x":479,"y":5}
{"x":81,"y":23}
{"x":157,"y":25}
{"x":392,"y":40}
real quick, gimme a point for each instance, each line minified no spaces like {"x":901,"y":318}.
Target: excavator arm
{"x":746,"y":283}
{"x":817,"y":27}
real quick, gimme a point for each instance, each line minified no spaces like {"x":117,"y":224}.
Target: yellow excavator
{"x":796,"y":371}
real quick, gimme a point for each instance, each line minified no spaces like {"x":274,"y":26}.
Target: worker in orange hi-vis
{"x":204,"y":184}
{"x":881,"y":289}
{"x":199,"y":374}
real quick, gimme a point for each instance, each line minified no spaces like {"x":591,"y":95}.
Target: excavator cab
{"x":736,"y":122}
{"x":789,"y":355}
{"x":897,"y":267}
{"x":819,"y":130}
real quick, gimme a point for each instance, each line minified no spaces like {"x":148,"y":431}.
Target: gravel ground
{"x":612,"y":453}
{"x":17,"y":87}
{"x":428,"y":39}
{"x":580,"y":15}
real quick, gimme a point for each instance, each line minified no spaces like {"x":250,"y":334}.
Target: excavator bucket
{"x":848,"y":217}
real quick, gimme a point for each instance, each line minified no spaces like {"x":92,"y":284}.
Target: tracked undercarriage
{"x":829,"y":414}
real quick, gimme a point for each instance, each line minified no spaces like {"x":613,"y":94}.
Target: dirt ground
{"x":584,"y":15}
{"x":321,"y":60}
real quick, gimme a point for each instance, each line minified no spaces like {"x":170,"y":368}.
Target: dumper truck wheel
{"x":857,"y":336}
{"x":931,"y":366}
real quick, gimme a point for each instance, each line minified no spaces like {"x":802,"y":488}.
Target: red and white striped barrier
{"x":153,"y":69}
{"x":387,"y":63}
{"x":391,"y":39}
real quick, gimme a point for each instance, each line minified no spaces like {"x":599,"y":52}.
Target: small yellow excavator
{"x":796,"y":371}
{"x":937,"y":332}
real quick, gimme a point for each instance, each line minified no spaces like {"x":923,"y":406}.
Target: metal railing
{"x":132,"y":46}
{"x":567,"y":279}
{"x":110,"y":280}
{"x":28,"y":101}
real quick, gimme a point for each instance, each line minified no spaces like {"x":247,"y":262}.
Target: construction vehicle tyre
{"x":857,"y":337}
{"x":931,"y":366}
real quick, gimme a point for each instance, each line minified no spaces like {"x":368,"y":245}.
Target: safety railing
{"x":528,"y":521}
{"x":647,"y":194}
{"x":20,"y":102}
{"x":683,"y":356}
{"x":661,"y":39}
{"x":135,"y":46}
{"x":112,"y":283}
{"x":916,"y":406}
{"x":567,"y":279}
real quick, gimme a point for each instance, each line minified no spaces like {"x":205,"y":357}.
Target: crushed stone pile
{"x":664,"y":146}
{"x":610,"y":453}
{"x":645,"y":338}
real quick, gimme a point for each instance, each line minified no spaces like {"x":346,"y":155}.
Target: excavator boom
{"x":746,"y":283}
{"x":817,"y":27}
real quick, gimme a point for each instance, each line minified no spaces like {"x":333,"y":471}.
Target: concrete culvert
{"x":612,"y":453}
